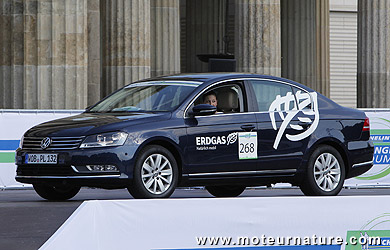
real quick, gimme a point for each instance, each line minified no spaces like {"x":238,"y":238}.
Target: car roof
{"x":213,"y":77}
{"x":200,"y":77}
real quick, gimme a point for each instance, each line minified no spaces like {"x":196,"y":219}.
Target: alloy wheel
{"x":157,"y":174}
{"x":327,"y":172}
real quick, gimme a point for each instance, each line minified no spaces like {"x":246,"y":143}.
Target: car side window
{"x":227,"y":98}
{"x":269,"y":92}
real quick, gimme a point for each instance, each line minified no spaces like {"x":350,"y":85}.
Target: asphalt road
{"x":27,"y":221}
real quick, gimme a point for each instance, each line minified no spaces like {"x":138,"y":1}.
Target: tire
{"x":59,"y":193}
{"x":325,"y":173}
{"x":155,"y":174}
{"x":225,"y":191}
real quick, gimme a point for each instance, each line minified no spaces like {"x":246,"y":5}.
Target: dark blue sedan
{"x":222,"y":131}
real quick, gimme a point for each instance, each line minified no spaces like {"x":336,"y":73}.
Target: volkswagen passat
{"x":222,"y":131}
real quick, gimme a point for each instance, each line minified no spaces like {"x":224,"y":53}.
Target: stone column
{"x":205,"y":29}
{"x":63,"y":53}
{"x":322,"y":47}
{"x":126,"y":42}
{"x":305,"y":43}
{"x":373,"y":54}
{"x":11,"y":54}
{"x":46,"y":55}
{"x":165,"y":37}
{"x":94,"y":52}
{"x":257,"y":36}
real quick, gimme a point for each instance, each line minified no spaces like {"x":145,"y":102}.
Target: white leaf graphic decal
{"x":296,"y":127}
{"x":231,"y":138}
{"x":305,"y":100}
{"x":304,"y":119}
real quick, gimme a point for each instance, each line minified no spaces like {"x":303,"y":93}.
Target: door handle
{"x":248,"y":127}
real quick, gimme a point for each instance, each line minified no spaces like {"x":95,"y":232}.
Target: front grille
{"x":44,"y":170}
{"x":58,"y":143}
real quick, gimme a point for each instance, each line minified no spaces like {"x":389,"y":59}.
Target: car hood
{"x":93,"y":123}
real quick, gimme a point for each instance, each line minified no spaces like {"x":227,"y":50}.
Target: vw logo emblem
{"x":45,"y":143}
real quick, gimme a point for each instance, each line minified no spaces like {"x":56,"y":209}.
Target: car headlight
{"x":21,"y":142}
{"x":104,"y":140}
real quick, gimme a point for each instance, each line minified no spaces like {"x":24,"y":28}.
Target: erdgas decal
{"x":247,"y":143}
{"x":307,"y":115}
{"x":211,"y":142}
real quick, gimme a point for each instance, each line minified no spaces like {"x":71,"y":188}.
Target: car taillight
{"x":366,"y":126}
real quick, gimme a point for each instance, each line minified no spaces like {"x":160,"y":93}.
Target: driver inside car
{"x":210,"y":98}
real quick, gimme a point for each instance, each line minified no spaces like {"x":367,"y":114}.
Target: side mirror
{"x":202,"y":110}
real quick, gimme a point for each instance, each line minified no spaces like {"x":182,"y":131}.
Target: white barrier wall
{"x":13,"y":124}
{"x":176,"y":223}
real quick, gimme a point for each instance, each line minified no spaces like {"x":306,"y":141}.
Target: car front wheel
{"x":225,"y":191}
{"x":58,"y":192}
{"x":325,"y":174}
{"x":155,"y":173}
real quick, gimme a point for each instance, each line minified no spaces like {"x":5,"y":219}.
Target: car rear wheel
{"x":225,"y":191}
{"x":155,"y":173}
{"x":58,"y":192}
{"x":325,"y":174}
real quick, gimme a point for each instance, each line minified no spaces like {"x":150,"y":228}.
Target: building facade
{"x":343,"y":52}
{"x":57,"y":54}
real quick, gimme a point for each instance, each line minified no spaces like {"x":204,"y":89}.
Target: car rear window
{"x":267,"y":91}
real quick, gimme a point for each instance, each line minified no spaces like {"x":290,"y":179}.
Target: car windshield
{"x":147,"y":96}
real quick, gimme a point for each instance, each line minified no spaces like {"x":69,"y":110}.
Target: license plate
{"x":41,"y":159}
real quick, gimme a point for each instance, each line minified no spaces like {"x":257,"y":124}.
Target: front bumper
{"x":103,"y":181}
{"x":70,"y":161}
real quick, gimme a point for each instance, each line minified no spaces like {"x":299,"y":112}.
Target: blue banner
{"x":9,"y":144}
{"x":380,"y":138}
{"x":382,"y":155}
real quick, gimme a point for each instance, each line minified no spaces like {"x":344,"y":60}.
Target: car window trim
{"x":241,"y":94}
{"x":165,"y":82}
{"x":242,"y":90}
{"x":243,"y":113}
{"x":241,"y":79}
